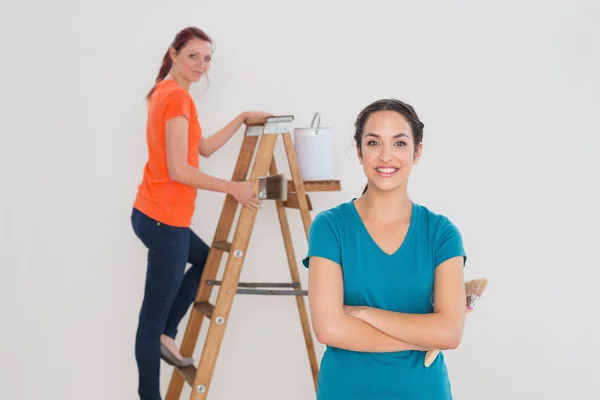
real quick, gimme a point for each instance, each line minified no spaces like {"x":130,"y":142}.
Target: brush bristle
{"x":476,"y":286}
{"x":275,"y":188}
{"x":474,"y":289}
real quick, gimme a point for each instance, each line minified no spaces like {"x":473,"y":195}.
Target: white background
{"x":508,"y":92}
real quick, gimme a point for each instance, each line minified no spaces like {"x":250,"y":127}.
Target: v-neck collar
{"x":365,"y":232}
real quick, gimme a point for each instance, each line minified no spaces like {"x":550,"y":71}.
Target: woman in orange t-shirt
{"x":164,"y":204}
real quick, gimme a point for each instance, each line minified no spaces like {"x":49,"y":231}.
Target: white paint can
{"x":314,"y":150}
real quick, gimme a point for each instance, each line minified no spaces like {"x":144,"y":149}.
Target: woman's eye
{"x":401,"y":143}
{"x":372,"y":143}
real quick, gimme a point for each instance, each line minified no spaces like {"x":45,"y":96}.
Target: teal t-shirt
{"x":401,"y":282}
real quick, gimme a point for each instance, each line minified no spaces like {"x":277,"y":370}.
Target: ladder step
{"x":317,"y":186}
{"x":273,"y":292}
{"x":188,"y":374}
{"x":222,"y":245}
{"x":292,"y":201}
{"x":259,"y":284}
{"x":205,"y":308}
{"x":251,"y":288}
{"x":269,"y":125}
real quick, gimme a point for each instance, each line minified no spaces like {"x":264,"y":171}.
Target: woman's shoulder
{"x":177,"y":93}
{"x":438,"y":226}
{"x":443,"y":235}
{"x":432,"y":218}
{"x":169,"y":100}
{"x":335,"y":215}
{"x":169,"y":91}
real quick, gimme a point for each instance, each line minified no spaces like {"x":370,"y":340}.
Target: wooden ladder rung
{"x":273,"y":292}
{"x":292,"y":201}
{"x":188,"y":374}
{"x":253,"y":288}
{"x":222,"y":245}
{"x":258,"y":284}
{"x":317,"y":186}
{"x":205,"y":308}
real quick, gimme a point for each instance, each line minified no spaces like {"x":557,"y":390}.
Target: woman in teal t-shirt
{"x":376,"y":264}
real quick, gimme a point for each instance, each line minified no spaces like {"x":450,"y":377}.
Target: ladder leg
{"x":298,"y":183}
{"x":295,"y":275}
{"x":211,"y":267}
{"x":237,"y":253}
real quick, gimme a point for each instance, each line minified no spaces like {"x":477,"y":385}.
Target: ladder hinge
{"x":273,"y":125}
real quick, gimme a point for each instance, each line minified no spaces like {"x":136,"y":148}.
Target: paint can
{"x":314,"y":150}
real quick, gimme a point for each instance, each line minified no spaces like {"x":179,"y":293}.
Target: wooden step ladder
{"x":267,"y":130}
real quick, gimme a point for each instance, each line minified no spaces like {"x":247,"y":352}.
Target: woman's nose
{"x":385,"y":154}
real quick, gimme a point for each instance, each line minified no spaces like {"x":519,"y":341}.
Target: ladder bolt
{"x":201,"y":389}
{"x":238,"y":253}
{"x":220,"y":320}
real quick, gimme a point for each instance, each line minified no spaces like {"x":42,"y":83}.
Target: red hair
{"x":180,"y":40}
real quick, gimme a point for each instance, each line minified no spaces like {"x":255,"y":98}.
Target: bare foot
{"x":171,"y":345}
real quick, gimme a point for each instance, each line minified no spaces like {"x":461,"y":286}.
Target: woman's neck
{"x":388,"y":206}
{"x":179,"y":79}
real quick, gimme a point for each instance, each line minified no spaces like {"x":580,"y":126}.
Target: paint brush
{"x":474,"y":290}
{"x":272,"y":187}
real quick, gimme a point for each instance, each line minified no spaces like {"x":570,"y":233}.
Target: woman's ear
{"x":418,"y":152}
{"x":172,"y":54}
{"x":359,"y":155}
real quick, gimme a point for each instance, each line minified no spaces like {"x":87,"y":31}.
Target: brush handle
{"x":431,"y":355}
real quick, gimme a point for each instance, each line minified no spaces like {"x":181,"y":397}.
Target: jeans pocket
{"x":147,"y":229}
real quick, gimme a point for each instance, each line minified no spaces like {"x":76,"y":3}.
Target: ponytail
{"x":167,"y":63}
{"x":165,"y":67}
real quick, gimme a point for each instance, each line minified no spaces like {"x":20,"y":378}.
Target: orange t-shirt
{"x":158,"y":196}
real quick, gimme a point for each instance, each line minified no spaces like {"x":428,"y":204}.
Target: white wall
{"x":509,"y":97}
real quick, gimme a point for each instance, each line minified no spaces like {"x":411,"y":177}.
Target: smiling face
{"x":193,"y":60}
{"x":387,"y":151}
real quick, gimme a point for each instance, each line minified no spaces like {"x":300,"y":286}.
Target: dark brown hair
{"x":393,"y":105}
{"x":181,"y":39}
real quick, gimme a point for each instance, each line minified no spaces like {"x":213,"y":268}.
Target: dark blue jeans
{"x":168,"y":292}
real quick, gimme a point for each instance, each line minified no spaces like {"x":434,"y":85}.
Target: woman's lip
{"x":386,"y":171}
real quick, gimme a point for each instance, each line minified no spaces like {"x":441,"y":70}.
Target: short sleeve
{"x":178,"y":103}
{"x":448,"y":243}
{"x":323,"y":240}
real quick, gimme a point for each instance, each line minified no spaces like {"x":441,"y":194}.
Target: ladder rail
{"x":211,"y":267}
{"x":295,"y":276}
{"x":231,"y":278}
{"x":298,"y":184}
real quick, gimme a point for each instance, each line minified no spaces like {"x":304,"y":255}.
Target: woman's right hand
{"x":243,"y":193}
{"x":255,"y":114}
